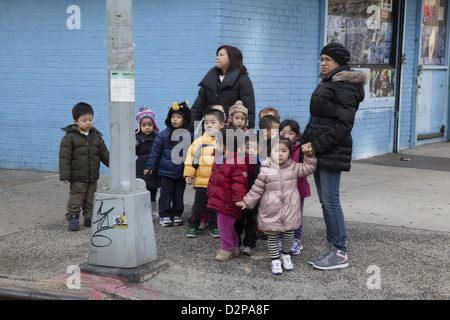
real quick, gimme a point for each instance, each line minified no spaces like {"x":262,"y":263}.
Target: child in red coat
{"x":228,"y":185}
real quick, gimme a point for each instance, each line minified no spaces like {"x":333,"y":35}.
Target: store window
{"x":365,"y":28}
{"x":434,"y":23}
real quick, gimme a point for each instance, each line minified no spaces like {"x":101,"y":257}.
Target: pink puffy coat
{"x":276,"y":188}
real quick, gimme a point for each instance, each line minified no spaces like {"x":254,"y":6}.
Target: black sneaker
{"x":177,"y":221}
{"x":191,"y":233}
{"x":88,"y":222}
{"x":214,"y":233}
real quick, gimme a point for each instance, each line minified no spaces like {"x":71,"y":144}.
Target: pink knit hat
{"x":146,"y":113}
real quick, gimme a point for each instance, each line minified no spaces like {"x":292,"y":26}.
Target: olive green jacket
{"x":80,"y":156}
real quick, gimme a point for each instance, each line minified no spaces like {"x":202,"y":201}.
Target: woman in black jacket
{"x":333,"y":108}
{"x":225,"y":84}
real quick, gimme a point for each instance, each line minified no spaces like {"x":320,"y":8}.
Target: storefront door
{"x":432,"y":109}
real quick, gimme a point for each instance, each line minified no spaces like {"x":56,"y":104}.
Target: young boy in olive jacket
{"x":81,"y":151}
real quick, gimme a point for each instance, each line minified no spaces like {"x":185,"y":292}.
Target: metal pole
{"x":122,"y":235}
{"x":122,"y":175}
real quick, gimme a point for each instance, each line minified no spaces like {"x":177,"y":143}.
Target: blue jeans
{"x":327,"y":182}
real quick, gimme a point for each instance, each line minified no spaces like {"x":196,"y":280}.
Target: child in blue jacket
{"x":170,"y":168}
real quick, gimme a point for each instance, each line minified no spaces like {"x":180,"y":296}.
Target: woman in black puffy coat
{"x":333,"y":108}
{"x":225,"y":84}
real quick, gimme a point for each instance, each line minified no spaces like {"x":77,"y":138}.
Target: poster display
{"x":365,"y":28}
{"x":434,"y":23}
{"x":382,"y":82}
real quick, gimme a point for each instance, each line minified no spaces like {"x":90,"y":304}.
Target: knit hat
{"x":338,"y":52}
{"x":237,"y":107}
{"x":146,"y":113}
{"x":181,"y":108}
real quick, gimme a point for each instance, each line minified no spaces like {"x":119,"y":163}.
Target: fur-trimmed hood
{"x":352,"y":76}
{"x":344,"y":73}
{"x":347,"y":75}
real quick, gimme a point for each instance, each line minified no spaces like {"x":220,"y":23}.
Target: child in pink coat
{"x":291,"y":130}
{"x":279,"y":200}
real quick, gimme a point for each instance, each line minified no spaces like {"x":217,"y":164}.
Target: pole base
{"x":130,"y":275}
{"x":122,"y":234}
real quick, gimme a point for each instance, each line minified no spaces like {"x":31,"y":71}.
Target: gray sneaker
{"x":322,"y":255}
{"x":246,"y":250}
{"x":335,"y":259}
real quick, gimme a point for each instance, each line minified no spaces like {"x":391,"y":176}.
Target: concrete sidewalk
{"x":397,"y":208}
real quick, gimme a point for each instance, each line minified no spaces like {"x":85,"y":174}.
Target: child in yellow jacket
{"x":197,"y":167}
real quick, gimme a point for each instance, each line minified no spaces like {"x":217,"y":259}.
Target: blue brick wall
{"x":374,"y":126}
{"x":176,"y":44}
{"x":280,"y":43}
{"x":45,"y":68}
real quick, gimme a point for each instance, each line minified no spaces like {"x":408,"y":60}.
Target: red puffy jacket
{"x":228,"y":183}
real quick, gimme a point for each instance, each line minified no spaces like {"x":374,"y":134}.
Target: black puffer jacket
{"x":79,"y":157}
{"x":333,"y":108}
{"x":144,"y":145}
{"x":235,"y":86}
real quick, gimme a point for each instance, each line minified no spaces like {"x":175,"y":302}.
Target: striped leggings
{"x":286,"y":243}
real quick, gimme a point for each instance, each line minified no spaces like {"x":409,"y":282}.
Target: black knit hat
{"x":338,"y":52}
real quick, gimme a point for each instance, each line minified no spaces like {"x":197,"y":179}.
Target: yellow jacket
{"x":199,"y":160}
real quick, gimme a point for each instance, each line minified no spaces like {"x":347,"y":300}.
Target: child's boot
{"x":224,"y":255}
{"x":74,"y":224}
{"x":88,"y":222}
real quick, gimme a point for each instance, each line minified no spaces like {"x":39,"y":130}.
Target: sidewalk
{"x":398,"y":225}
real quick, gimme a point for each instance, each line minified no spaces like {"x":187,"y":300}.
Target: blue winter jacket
{"x":161,"y":155}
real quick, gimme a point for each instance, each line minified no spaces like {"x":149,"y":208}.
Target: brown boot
{"x":224,"y":255}
{"x":236,"y":252}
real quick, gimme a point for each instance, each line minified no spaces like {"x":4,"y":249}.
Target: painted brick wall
{"x":176,"y":45}
{"x":280,"y":43}
{"x":45,"y":69}
{"x":54,"y":67}
{"x":374,"y":126}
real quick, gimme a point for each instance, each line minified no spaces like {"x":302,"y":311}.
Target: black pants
{"x":171,"y":197}
{"x":248,"y":224}
{"x":198,"y":207}
{"x":153,"y":192}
